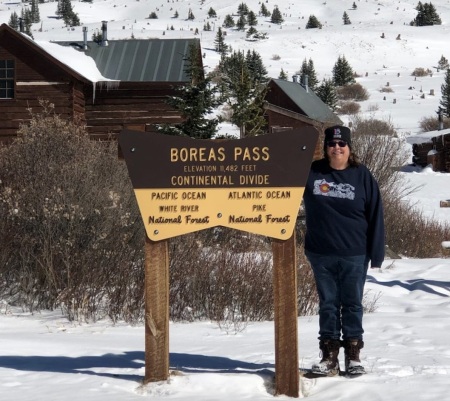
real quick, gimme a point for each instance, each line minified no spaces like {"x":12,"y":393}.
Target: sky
{"x":45,"y":357}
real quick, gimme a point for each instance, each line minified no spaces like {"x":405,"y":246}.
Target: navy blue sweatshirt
{"x":344,"y":212}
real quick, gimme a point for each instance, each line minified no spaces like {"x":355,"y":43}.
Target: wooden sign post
{"x":253,"y":184}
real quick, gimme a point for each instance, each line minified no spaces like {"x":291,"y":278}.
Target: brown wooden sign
{"x":184,"y":185}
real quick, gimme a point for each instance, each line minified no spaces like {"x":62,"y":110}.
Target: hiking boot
{"x":329,"y":364}
{"x":353,"y":364}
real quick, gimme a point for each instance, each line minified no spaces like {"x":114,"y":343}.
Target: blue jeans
{"x":340,"y":285}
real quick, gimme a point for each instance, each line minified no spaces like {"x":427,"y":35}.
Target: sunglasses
{"x":332,"y":144}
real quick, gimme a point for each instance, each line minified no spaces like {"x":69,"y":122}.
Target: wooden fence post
{"x":156,"y":311}
{"x":287,"y":380}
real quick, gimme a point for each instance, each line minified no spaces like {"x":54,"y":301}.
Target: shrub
{"x":70,"y":232}
{"x":407,"y":231}
{"x":421,"y":72}
{"x":386,"y":89}
{"x":348,"y":108}
{"x":226,"y":276}
{"x":431,"y":123}
{"x":354,"y":92}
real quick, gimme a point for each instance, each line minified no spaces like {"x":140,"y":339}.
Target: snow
{"x":45,"y":357}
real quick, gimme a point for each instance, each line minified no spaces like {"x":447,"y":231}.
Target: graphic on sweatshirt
{"x":324,"y":188}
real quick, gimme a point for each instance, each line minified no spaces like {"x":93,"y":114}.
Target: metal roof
{"x":308,"y":102}
{"x":138,"y":60}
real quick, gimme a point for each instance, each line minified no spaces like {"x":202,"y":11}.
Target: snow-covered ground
{"x":45,"y":357}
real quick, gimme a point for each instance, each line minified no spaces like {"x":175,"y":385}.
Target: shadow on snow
{"x":98,"y":365}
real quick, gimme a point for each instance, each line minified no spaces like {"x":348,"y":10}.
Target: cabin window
{"x":6,"y":79}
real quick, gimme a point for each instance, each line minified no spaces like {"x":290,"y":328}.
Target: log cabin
{"x":126,"y":89}
{"x":293,"y":105}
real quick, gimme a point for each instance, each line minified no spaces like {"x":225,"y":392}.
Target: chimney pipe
{"x":295,"y":78}
{"x":305,"y":82}
{"x":104,"y":33}
{"x":85,"y":46}
{"x":21,"y":30}
{"x":441,"y":119}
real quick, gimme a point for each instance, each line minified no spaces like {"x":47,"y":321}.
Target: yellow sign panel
{"x":265,"y":211}
{"x":184,"y":185}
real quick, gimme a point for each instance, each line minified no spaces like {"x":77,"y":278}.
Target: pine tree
{"x":264,"y":11}
{"x":426,"y":15}
{"x":212,"y":13}
{"x":342,"y":72}
{"x":27,"y":20}
{"x":195,"y":101}
{"x":258,"y":71}
{"x":35,"y":11}
{"x":251,"y":33}
{"x":445,"y":90}
{"x":251,"y":19}
{"x":14,"y":21}
{"x":354,"y":6}
{"x":242,"y":9}
{"x":176,"y":15}
{"x":308,"y":69}
{"x":283,"y":75}
{"x":219,"y":42}
{"x":346,"y":18}
{"x":228,"y":21}
{"x":327,"y":93}
{"x":313,"y":22}
{"x":244,"y":93}
{"x":240,"y":24}
{"x":276,"y":17}
{"x":191,"y":16}
{"x":443,"y":63}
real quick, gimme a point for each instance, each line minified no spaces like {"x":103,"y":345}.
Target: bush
{"x":421,"y":72}
{"x":71,"y":234}
{"x":354,"y":92}
{"x":432,"y":123}
{"x":348,"y":108}
{"x":226,"y":276}
{"x":407,"y":231}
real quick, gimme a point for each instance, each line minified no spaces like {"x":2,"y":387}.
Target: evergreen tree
{"x":252,"y":33}
{"x":342,"y":72}
{"x":219,"y":42}
{"x":240,"y":24}
{"x":242,"y":9}
{"x":228,"y":21}
{"x":443,"y":63}
{"x":244,"y":93}
{"x":35,"y":11}
{"x":153,"y":15}
{"x":313,"y":22}
{"x":283,"y":75}
{"x":346,"y":18}
{"x":258,"y":72}
{"x":195,"y":101}
{"x":445,"y":90}
{"x":276,"y":17}
{"x":212,"y":13}
{"x":14,"y":21}
{"x":308,"y":69}
{"x":264,"y":11}
{"x":251,"y":19}
{"x":176,"y":15}
{"x":426,"y":15}
{"x":27,"y":20}
{"x":326,"y":91}
{"x":191,"y":16}
{"x":354,"y":6}
{"x":207,"y":26}
{"x":64,"y":10}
